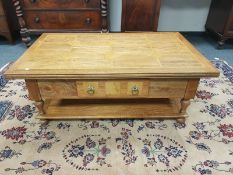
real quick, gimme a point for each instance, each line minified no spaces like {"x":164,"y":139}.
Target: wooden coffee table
{"x":113,"y":75}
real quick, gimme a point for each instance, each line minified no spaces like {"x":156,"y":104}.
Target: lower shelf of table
{"x":114,"y":108}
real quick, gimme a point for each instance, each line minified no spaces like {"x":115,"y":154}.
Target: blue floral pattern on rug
{"x":225,"y":68}
{"x":163,"y":152}
{"x":4,"y":108}
{"x":87,"y":149}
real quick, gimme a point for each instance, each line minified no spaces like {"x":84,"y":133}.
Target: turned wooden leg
{"x":180,"y":120}
{"x":40,"y":106}
{"x":24,"y":32}
{"x":221,"y":43}
{"x":25,"y":37}
{"x":184,"y":105}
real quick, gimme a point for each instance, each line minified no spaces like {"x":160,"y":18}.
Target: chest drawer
{"x":60,"y":4}
{"x":3,"y":24}
{"x":83,"y":20}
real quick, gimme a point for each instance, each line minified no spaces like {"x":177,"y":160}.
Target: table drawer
{"x":163,"y":88}
{"x":83,"y":20}
{"x":117,"y":88}
{"x":60,"y":4}
{"x":93,"y":89}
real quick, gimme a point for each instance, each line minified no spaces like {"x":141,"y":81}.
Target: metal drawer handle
{"x":91,"y":90}
{"x":86,"y":1}
{"x":135,"y":90}
{"x":33,"y":1}
{"x":37,"y":20}
{"x":88,"y":20}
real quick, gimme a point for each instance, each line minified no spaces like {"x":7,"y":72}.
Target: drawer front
{"x":167,"y":88}
{"x":117,"y":89}
{"x":112,"y":88}
{"x":92,"y":89}
{"x":57,"y":89}
{"x":83,"y":20}
{"x":60,"y":4}
{"x":3,"y":24}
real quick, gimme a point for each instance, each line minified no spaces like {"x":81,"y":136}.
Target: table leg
{"x":190,"y":93}
{"x":184,"y":105}
{"x":34,"y":94}
{"x":40,"y":106}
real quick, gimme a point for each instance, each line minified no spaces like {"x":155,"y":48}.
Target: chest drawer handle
{"x":91,"y":90}
{"x":33,"y":1}
{"x":135,"y":90}
{"x":88,"y":20}
{"x":37,"y":20}
{"x":86,"y":1}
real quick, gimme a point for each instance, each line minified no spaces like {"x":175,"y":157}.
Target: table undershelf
{"x":110,"y":108}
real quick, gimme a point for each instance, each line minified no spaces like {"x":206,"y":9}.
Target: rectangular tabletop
{"x":108,"y":55}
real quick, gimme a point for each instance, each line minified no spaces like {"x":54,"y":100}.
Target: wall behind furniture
{"x":175,"y":15}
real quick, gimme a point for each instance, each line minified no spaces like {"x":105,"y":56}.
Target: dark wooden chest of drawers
{"x":140,"y":15}
{"x":220,"y":20}
{"x":38,"y":16}
{"x":8,"y":22}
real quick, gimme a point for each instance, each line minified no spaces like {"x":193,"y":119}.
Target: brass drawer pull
{"x":91,"y":90}
{"x":135,"y":90}
{"x":37,"y":20}
{"x":88,"y":20}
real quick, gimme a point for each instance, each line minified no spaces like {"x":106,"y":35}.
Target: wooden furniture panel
{"x":8,"y":24}
{"x":86,"y":20}
{"x":112,"y":75}
{"x":66,"y":89}
{"x":114,"y":88}
{"x":1,"y":9}
{"x":140,"y":15}
{"x":58,"y":4}
{"x":3,"y":24}
{"x":220,"y":20}
{"x":131,"y":108}
{"x":167,"y":88}
{"x":230,"y":24}
{"x":57,"y":89}
{"x":80,"y":56}
{"x":39,"y":16}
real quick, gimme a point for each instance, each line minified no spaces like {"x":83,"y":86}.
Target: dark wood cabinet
{"x":8,"y":21}
{"x":220,"y":20}
{"x":140,"y":15}
{"x":38,"y":16}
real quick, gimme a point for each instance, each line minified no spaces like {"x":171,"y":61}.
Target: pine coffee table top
{"x":111,"y":55}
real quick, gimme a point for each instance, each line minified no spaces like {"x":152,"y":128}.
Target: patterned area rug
{"x":204,"y":145}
